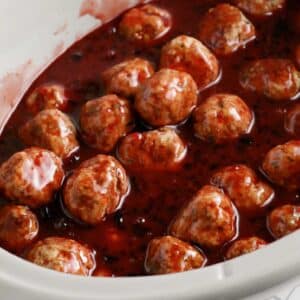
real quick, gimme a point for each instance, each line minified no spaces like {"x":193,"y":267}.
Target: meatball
{"x":260,"y":7}
{"x":224,"y":29}
{"x":169,"y":255}
{"x":244,"y":246}
{"x":47,"y":96}
{"x":243,"y":187}
{"x":126,"y":78}
{"x":221,"y":118}
{"x":95,"y":189}
{"x":292,"y":120}
{"x":145,"y":25}
{"x":167,"y":98}
{"x":160,"y":149}
{"x":284,"y":220}
{"x":53,"y":130}
{"x":282,"y":165}
{"x":189,"y":55}
{"x":31,"y":177}
{"x":63,"y":255}
{"x":104,"y":121}
{"x":209,"y":219}
{"x":18,"y":227}
{"x":276,"y":79}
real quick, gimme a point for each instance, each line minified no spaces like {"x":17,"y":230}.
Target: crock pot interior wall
{"x":33,"y":33}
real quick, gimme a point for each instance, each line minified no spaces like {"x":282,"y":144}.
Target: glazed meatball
{"x":169,"y":255}
{"x":104,"y":121}
{"x":243,"y":187}
{"x":53,"y":130}
{"x":189,"y":55}
{"x":126,"y":78}
{"x":18,"y":227}
{"x":47,"y":96}
{"x":95,"y":189}
{"x":209,"y":219}
{"x":145,"y":25}
{"x":260,"y":7}
{"x":284,"y":220}
{"x":276,"y":79}
{"x":221,"y":118}
{"x":160,"y":149}
{"x":31,"y":177}
{"x":224,"y":29}
{"x":244,"y":246}
{"x":282,"y":165}
{"x":63,"y":255}
{"x":167,"y":98}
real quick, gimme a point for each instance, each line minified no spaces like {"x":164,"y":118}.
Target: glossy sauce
{"x":156,"y":197}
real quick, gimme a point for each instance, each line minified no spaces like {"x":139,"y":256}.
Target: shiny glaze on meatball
{"x":53,"y":130}
{"x":224,"y":29}
{"x":222,"y":118}
{"x":63,"y":255}
{"x":209,"y":219}
{"x":31,"y":177}
{"x":276,"y":79}
{"x":18,"y":227}
{"x":104,"y":121}
{"x":160,"y":149}
{"x":169,"y":255}
{"x":167,"y":98}
{"x":189,"y":55}
{"x":243,"y":187}
{"x":95,"y":189}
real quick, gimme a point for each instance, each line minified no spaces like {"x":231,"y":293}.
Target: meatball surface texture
{"x":95,"y":189}
{"x":31,"y":177}
{"x":63,"y":255}
{"x":167,"y":98}
{"x":169,"y":255}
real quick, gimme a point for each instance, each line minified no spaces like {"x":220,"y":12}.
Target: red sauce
{"x":121,"y":240}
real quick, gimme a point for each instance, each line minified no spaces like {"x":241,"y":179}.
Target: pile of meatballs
{"x":163,"y":98}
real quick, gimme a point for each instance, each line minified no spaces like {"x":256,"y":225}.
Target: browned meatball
{"x":244,"y":246}
{"x":224,"y":29}
{"x":221,"y":118}
{"x":284,"y":220}
{"x":96,"y":189}
{"x":169,"y":255}
{"x":189,"y":55}
{"x":282,"y":165}
{"x":31,"y":177}
{"x":126,"y":78}
{"x":63,"y":255}
{"x":260,"y":7}
{"x":167,"y":98}
{"x":209,"y":219}
{"x":47,"y":96}
{"x":104,"y":121}
{"x":243,"y":187}
{"x":276,"y":79}
{"x":53,"y":130}
{"x":160,"y":149}
{"x":18,"y":227}
{"x":145,"y":25}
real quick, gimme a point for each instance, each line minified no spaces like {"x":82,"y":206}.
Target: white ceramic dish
{"x":33,"y":33}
